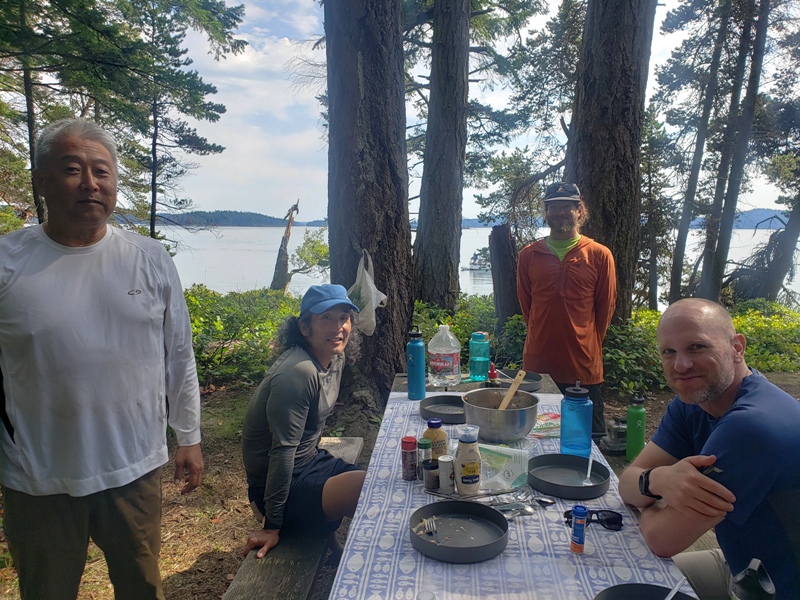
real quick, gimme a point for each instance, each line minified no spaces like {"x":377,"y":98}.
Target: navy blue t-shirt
{"x":757,"y":445}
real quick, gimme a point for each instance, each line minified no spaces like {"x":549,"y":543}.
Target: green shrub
{"x":233,"y":334}
{"x":630,"y":355}
{"x":773,"y":337}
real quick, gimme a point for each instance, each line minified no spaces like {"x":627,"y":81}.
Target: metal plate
{"x":639,"y":591}
{"x":466,"y":532}
{"x":531,"y":383}
{"x":448,"y":407}
{"x":562,"y":475}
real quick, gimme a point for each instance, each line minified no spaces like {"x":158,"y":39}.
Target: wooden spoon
{"x":512,"y":390}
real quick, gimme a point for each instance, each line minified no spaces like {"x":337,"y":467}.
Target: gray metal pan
{"x":562,"y":475}
{"x":466,"y":532}
{"x":639,"y":591}
{"x":531,"y":383}
{"x":448,"y":407}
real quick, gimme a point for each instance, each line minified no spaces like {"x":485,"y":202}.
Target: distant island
{"x":764,"y":218}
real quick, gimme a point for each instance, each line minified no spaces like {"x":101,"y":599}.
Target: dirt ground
{"x":203,"y":533}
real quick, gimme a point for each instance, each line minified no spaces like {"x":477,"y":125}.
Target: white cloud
{"x":275,"y":152}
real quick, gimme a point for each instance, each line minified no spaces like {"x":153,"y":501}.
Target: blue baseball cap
{"x":320,"y":298}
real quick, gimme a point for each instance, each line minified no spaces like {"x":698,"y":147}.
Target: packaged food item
{"x":408,"y":448}
{"x":437,"y":436}
{"x":430,"y":474}
{"x":503,"y":467}
{"x":446,"y":474}
{"x":468,"y":461}
{"x":423,"y":454}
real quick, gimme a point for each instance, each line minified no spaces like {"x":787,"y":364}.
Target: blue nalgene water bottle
{"x":479,"y":356}
{"x":415,"y":364}
{"x":576,"y":422}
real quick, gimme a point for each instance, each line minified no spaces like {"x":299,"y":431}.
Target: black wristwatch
{"x":644,"y":485}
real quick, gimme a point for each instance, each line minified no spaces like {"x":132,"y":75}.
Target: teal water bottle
{"x":479,"y":356}
{"x":634,"y":436}
{"x":576,"y":421}
{"x":415,"y":364}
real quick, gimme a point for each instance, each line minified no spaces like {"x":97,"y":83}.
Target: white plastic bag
{"x":365,"y":295}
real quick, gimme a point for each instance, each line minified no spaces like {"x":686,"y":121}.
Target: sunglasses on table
{"x":607,"y":518}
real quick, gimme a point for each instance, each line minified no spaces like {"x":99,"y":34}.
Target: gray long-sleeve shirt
{"x":284,"y":422}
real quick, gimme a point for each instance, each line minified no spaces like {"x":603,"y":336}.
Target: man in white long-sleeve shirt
{"x":95,"y":359}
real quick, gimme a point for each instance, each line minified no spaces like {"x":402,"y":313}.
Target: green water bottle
{"x":634,"y":438}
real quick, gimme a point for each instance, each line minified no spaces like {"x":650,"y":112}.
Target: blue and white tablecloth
{"x":379,"y":562}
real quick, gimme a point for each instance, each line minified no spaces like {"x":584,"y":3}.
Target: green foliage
{"x":313,"y":256}
{"x":772,"y":332}
{"x":9,"y":221}
{"x":630,"y":355}
{"x":233,"y":334}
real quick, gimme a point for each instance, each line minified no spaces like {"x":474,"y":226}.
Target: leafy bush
{"x":773,"y":336}
{"x":630,"y":355}
{"x":233,"y":334}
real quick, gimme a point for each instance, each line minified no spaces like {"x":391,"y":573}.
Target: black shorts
{"x":303,"y":511}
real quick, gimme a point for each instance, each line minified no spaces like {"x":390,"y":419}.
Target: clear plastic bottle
{"x":576,"y":421}
{"x":479,"y":356}
{"x":468,"y":461}
{"x":444,"y":358}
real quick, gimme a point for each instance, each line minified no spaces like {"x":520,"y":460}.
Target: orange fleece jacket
{"x":567,"y":306}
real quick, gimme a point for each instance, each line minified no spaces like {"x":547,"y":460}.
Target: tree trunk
{"x":740,"y":151}
{"x":438,"y":241}
{"x":705,"y":289}
{"x":30,"y":114}
{"x":676,"y":275}
{"x":784,"y":257}
{"x":503,"y":258}
{"x":367,"y":171}
{"x":154,"y":170}
{"x":281,"y":276}
{"x":603,"y":154}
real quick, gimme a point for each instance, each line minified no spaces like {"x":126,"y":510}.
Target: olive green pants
{"x":48,"y":537}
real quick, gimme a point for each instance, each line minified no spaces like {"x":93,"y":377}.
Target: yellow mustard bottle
{"x":437,"y":436}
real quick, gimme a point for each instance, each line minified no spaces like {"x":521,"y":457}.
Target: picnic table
{"x":379,"y":561}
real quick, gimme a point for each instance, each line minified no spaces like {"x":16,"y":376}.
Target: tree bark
{"x":367,"y":171}
{"x":281,"y":276}
{"x":603,"y":154}
{"x":740,"y":151}
{"x":688,"y":211}
{"x":784,"y":257}
{"x":503,"y":258}
{"x":705,"y":289}
{"x":438,"y":241}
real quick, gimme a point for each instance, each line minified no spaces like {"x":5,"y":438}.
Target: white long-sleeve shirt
{"x":95,"y":350}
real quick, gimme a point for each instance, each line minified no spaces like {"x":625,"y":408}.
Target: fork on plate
{"x":429,"y":525}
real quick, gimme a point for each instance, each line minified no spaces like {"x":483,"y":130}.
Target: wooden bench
{"x":288,"y":571}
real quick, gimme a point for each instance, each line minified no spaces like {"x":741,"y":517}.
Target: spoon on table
{"x":512,"y":390}
{"x":588,"y":480}
{"x":674,"y":590}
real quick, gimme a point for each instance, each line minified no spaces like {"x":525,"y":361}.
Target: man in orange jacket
{"x":567,"y":289}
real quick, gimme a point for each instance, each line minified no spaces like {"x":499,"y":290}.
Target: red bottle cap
{"x":492,"y":372}
{"x":409,"y":442}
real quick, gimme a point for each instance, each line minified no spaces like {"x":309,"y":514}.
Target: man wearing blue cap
{"x":293,"y":486}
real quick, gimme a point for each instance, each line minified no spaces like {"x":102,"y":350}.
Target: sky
{"x":276,"y":151}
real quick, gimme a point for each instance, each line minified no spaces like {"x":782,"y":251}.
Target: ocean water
{"x":243,"y":258}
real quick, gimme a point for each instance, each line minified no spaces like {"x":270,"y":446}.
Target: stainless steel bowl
{"x":501,"y":426}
